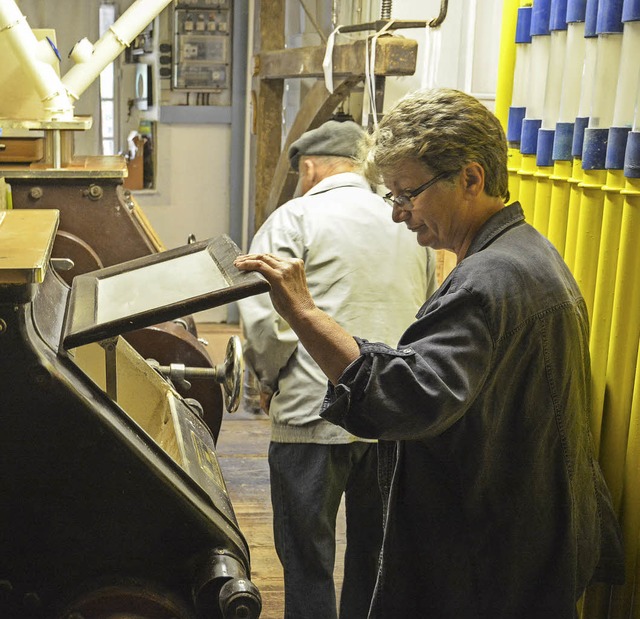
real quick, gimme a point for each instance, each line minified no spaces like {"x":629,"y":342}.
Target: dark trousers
{"x":307,"y":484}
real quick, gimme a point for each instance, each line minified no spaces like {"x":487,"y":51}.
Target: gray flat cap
{"x":338,"y":139}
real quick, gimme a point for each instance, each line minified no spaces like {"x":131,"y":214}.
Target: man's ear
{"x":307,"y":168}
{"x":473,"y":179}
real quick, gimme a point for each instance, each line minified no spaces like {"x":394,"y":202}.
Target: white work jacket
{"x":363,"y":269}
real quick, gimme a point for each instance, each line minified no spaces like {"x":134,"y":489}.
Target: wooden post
{"x":269,"y":106}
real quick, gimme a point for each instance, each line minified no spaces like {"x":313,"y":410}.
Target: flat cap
{"x":333,"y":138}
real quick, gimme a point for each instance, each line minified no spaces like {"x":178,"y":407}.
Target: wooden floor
{"x":242,"y":452}
{"x":242,"y":447}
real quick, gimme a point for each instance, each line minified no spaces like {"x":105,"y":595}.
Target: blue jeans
{"x":307,"y":483}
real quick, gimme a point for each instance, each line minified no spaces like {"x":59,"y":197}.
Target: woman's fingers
{"x":267,"y":264}
{"x":289,"y":291}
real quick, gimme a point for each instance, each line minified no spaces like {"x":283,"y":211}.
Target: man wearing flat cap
{"x":371,"y":276}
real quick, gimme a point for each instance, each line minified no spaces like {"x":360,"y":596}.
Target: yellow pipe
{"x":573,"y":214}
{"x":506,"y":60}
{"x":542,"y":199}
{"x":635,"y":611}
{"x":589,"y":231}
{"x":595,"y":602}
{"x":603,"y":297}
{"x":527,"y":186}
{"x":514,"y":159}
{"x":559,"y":212}
{"x":623,"y":342}
{"x":622,"y":598}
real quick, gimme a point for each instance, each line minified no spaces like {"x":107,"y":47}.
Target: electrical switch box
{"x":202,"y":45}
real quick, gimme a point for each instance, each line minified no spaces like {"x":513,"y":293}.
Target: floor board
{"x":242,"y":447}
{"x":242,"y":453}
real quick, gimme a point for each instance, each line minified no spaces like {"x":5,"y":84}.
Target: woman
{"x":495,"y":505}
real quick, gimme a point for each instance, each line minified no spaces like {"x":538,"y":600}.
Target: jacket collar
{"x":505,"y":218}
{"x":344,"y":179}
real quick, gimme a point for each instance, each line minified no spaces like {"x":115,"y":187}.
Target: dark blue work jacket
{"x":496,"y":508}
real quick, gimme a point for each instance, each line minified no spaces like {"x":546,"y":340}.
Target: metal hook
{"x":436,"y":21}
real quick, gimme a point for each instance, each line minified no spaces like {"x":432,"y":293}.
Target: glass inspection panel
{"x":155,"y":288}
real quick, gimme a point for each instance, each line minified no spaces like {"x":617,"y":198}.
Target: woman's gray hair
{"x":444,"y":129}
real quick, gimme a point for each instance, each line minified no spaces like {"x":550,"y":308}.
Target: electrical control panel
{"x":202,"y":46}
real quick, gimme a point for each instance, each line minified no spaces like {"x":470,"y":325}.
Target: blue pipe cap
{"x":529,"y":136}
{"x":609,"y":17}
{"x":631,"y":10}
{"x":594,"y":150}
{"x":562,"y":142}
{"x":545,"y":147}
{"x":523,"y":25}
{"x":514,"y":124}
{"x":616,"y":147}
{"x":558,"y":17}
{"x":591,"y":19}
{"x":576,"y":11}
{"x":632,"y":155}
{"x":578,"y":135}
{"x":540,"y":18}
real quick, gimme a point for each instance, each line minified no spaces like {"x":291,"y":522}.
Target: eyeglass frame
{"x":404,"y":200}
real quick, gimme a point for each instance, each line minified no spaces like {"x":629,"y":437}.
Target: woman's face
{"x":432,"y":214}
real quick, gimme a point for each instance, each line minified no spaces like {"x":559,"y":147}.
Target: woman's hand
{"x":331,"y":347}
{"x":289,"y":291}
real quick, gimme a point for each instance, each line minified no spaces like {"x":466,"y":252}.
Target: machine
{"x":113,"y":503}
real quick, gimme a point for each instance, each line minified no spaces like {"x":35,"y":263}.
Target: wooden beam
{"x":317,"y":107}
{"x":394,"y":56}
{"x":272,"y":14}
{"x":269,"y":104}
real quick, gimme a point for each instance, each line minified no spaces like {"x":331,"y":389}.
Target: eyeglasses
{"x":404,"y":200}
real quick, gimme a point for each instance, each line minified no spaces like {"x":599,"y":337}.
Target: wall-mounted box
{"x":202,"y":46}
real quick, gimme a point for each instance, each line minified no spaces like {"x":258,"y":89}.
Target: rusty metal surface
{"x":95,"y":210}
{"x":100,"y":226}
{"x":83,"y":256}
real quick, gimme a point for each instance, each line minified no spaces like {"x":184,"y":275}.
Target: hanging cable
{"x":370,"y":70}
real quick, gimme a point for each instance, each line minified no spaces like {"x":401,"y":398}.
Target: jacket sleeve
{"x":425,"y":385}
{"x":269,"y":341}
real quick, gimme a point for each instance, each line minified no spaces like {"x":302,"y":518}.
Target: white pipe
{"x":606,"y":80}
{"x":588,"y":76}
{"x":470,"y":37}
{"x":636,"y":118}
{"x":521,"y":75}
{"x":132,"y":22}
{"x":31,"y":54}
{"x":628,"y":77}
{"x":572,"y":73}
{"x":553,"y":86}
{"x":540,"y":48}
